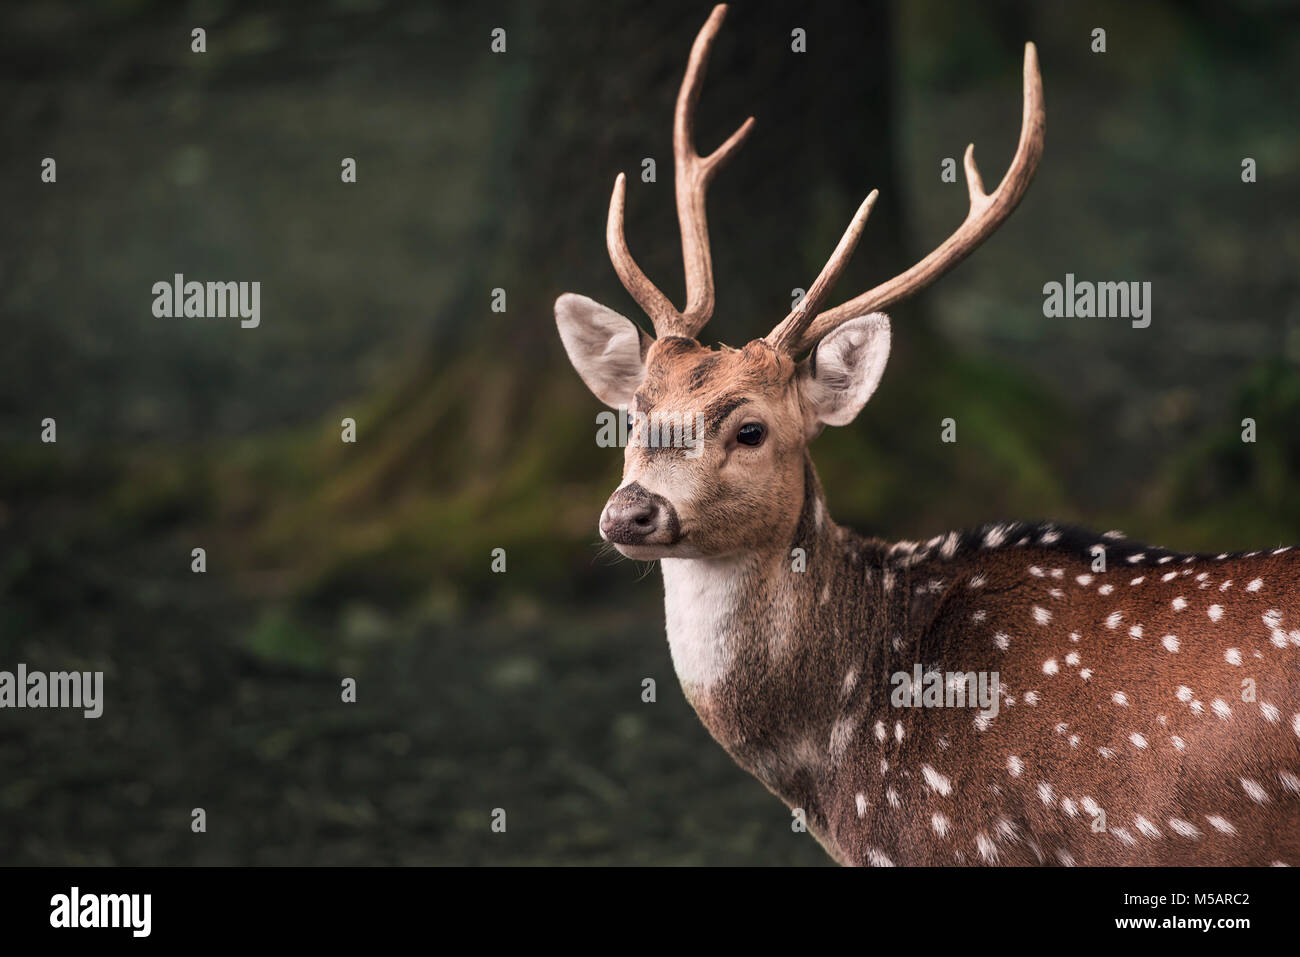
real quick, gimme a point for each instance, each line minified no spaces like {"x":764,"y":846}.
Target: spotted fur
{"x":1125,"y":751}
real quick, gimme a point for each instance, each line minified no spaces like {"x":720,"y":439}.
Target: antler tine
{"x":692,"y":174}
{"x":987,"y":212}
{"x":656,"y":305}
{"x":789,"y":331}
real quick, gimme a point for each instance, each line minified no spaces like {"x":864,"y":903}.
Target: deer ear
{"x":843,"y":371}
{"x":607,"y":349}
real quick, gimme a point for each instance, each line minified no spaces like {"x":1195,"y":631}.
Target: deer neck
{"x":768,"y":644}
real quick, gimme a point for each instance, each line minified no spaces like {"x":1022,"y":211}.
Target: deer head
{"x":739,"y":486}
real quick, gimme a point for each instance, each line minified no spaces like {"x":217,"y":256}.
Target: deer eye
{"x":751,"y":433}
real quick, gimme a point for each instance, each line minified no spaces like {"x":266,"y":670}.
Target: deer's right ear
{"x":607,"y":349}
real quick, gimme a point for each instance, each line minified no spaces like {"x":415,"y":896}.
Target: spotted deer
{"x":1147,"y":702}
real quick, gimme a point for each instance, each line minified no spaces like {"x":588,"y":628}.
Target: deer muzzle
{"x":635,"y":516}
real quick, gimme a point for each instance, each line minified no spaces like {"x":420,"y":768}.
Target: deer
{"x":1146,"y":708}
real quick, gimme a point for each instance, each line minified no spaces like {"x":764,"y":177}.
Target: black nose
{"x":636,"y":516}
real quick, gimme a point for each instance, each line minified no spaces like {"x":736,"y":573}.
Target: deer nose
{"x":636,"y":516}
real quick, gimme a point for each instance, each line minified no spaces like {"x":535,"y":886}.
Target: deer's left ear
{"x":843,"y":371}
{"x":607,"y":349}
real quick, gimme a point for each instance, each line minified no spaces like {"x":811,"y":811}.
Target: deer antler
{"x":693,"y":175}
{"x":804,"y":327}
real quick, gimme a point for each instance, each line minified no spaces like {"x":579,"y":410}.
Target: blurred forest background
{"x":479,"y":170}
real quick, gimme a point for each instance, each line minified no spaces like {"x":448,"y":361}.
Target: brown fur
{"x":790,"y":712}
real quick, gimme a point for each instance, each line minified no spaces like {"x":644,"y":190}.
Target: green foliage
{"x":1232,"y":494}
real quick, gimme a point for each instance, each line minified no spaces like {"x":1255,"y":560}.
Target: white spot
{"x":978,"y":616}
{"x":1105,"y":589}
{"x":1074,"y":636}
{"x":1085,"y":674}
{"x":1068,"y":806}
{"x":1072,"y":659}
{"x":1170,"y":642}
{"x":1042,"y":615}
{"x":1031,"y":698}
{"x":1134,"y":559}
{"x":1219,"y":824}
{"x":1226,"y":585}
{"x":1184,"y":828}
{"x":1002,"y":641}
{"x":1178,"y":742}
{"x":1290,"y":782}
{"x":1084,"y":580}
{"x":877,"y":858}
{"x":850,"y":680}
{"x":898,"y":731}
{"x":988,"y":850}
{"x":995,"y":536}
{"x":1112,"y":620}
{"x":1272,"y":618}
{"x":1050,"y":667}
{"x":1169,"y":576}
{"x":1145,"y":827}
{"x":977,"y":581}
{"x":1074,"y":740}
{"x":1035,"y":571}
{"x":1139,"y":742}
{"x":1255,"y":585}
{"x":1179,"y":603}
{"x":1106,"y":753}
{"x":1015,"y":766}
{"x":1124,"y":836}
{"x":1271,"y":714}
{"x":1197,"y":706}
{"x":1185,"y":693}
{"x":936,"y":781}
{"x":949,"y":548}
{"x":940,"y":824}
{"x":1064,"y":857}
{"x":892,"y":797}
{"x":1089,"y":806}
{"x":1139,"y":580}
{"x":1135,"y":631}
{"x":881,"y":733}
{"x":1232,"y":656}
{"x":1295,"y":725}
{"x":841,"y":734}
{"x":1120,"y":698}
{"x":1058,"y":572}
{"x":1045,"y":792}
{"x":1221,"y":708}
{"x":1053,"y":536}
{"x":1255,"y":790}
